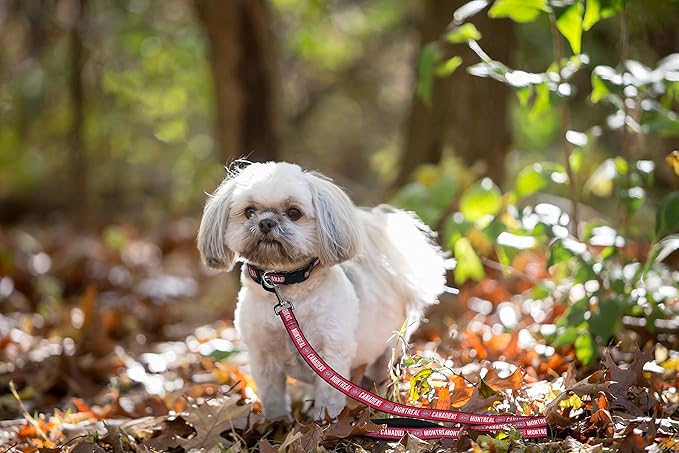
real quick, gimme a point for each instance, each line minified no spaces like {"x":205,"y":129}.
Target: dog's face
{"x":276,"y":215}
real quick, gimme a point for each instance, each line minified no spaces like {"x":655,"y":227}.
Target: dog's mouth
{"x":269,"y":243}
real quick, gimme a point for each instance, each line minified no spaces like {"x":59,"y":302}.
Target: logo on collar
{"x":283,"y":277}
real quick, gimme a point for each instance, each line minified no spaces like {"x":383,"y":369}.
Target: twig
{"x":565,"y":146}
{"x":624,"y":55}
{"x":29,"y":418}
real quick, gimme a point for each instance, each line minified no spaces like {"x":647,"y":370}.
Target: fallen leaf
{"x":511,"y":382}
{"x":211,"y":418}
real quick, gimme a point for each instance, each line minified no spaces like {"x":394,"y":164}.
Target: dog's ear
{"x":336,"y":221}
{"x":212,"y":233}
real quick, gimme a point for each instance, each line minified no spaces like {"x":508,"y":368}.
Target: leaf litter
{"x":112,"y":347}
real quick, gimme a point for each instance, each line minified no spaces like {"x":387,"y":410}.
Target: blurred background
{"x":117,"y":116}
{"x":126,"y":111}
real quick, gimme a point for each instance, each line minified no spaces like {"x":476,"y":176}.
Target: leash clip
{"x":282,"y":304}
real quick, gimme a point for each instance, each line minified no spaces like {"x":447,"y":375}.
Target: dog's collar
{"x":281,"y":277}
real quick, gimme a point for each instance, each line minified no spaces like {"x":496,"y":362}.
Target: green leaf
{"x":537,"y":176}
{"x":542,"y":101}
{"x":468,"y":263}
{"x":518,"y":10}
{"x":564,"y":249}
{"x":567,"y":337}
{"x":667,"y":216}
{"x":661,"y":121}
{"x":569,"y":24}
{"x":463,"y":33}
{"x":575,"y":314}
{"x":425,"y":71}
{"x":605,"y":321}
{"x":419,"y":384}
{"x":415,"y":361}
{"x":585,"y":348}
{"x":443,"y":191}
{"x":599,"y":89}
{"x":605,"y":81}
{"x":598,"y":10}
{"x":455,"y":227}
{"x":448,"y":67}
{"x":411,"y":196}
{"x":481,"y":199}
{"x":173,"y":131}
{"x":524,"y":94}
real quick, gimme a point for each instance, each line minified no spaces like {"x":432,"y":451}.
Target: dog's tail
{"x":419,"y":262}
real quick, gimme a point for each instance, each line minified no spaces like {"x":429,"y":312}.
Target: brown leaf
{"x":632,"y":375}
{"x":266,"y":447}
{"x":415,"y":444}
{"x":312,"y":436}
{"x":113,"y":438}
{"x":478,"y":403}
{"x":86,"y":446}
{"x":485,"y":391}
{"x":590,"y":385}
{"x":442,"y":400}
{"x":629,"y":387}
{"x":212,"y":418}
{"x":347,"y":425}
{"x":512,"y":382}
{"x":461,"y":391}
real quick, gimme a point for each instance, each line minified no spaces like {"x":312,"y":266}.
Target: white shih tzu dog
{"x":354,"y":275}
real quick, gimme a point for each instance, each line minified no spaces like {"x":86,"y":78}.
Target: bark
{"x":77,"y":162}
{"x":245,"y":76}
{"x":467,"y":113}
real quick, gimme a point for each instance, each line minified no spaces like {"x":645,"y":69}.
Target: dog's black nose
{"x":266,"y":225}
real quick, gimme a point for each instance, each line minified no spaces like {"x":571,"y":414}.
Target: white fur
{"x":378,"y":268}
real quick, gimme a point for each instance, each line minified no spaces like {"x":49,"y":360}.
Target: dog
{"x":359,"y":274}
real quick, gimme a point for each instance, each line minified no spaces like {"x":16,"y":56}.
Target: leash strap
{"x":528,"y":426}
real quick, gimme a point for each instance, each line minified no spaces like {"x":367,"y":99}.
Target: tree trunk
{"x":467,"y":113}
{"x":245,"y":75}
{"x":77,"y":161}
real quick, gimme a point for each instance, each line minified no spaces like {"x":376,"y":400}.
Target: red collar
{"x":281,"y":277}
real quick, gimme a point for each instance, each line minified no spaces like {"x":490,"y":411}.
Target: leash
{"x":527,"y":426}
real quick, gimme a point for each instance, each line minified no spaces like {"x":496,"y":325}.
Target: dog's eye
{"x":293,"y":214}
{"x":249,"y":211}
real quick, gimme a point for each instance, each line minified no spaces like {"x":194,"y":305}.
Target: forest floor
{"x":123,"y":342}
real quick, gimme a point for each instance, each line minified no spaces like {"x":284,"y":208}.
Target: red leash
{"x":528,"y":426}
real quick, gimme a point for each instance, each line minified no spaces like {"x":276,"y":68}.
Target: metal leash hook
{"x":282,"y":304}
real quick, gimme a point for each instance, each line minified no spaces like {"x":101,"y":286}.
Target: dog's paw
{"x":328,"y":403}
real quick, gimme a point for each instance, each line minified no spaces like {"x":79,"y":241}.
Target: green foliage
{"x":518,"y":10}
{"x":468,"y":266}
{"x":539,"y":176}
{"x":593,"y":278}
{"x":600,"y":9}
{"x":667,"y":215}
{"x":569,"y":23}
{"x":449,"y":66}
{"x":481,"y":199}
{"x":463,"y":33}
{"x":425,"y":70}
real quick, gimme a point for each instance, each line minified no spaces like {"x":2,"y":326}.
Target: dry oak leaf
{"x":591,"y":385}
{"x":512,"y":382}
{"x":629,"y":387}
{"x":348,"y":425}
{"x":211,"y":418}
